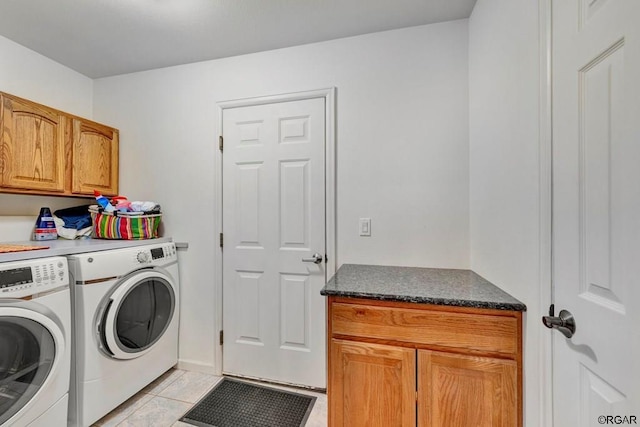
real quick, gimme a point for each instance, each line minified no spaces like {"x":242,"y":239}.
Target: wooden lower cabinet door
{"x":461,"y":391}
{"x":371,"y":385}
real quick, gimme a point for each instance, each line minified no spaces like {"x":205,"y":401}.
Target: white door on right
{"x":596,"y":210}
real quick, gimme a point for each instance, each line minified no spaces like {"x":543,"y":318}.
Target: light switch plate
{"x":365,"y":227}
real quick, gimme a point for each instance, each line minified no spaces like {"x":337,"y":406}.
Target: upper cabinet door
{"x":95,"y":158}
{"x":32,"y":146}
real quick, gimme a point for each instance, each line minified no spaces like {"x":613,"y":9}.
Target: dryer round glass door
{"x":27,"y":354}
{"x":139,"y":312}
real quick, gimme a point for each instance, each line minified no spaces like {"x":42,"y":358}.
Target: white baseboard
{"x":191,"y":365}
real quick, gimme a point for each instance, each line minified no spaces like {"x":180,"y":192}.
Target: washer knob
{"x":142,"y":257}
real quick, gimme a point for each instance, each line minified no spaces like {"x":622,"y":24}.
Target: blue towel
{"x":77,"y":217}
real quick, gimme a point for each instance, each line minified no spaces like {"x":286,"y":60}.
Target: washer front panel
{"x":139,"y":312}
{"x":31,"y":347}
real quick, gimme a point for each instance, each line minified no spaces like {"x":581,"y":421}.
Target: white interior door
{"x":273,"y":218}
{"x":596,"y":215}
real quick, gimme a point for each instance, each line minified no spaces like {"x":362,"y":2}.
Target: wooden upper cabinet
{"x":95,"y":158}
{"x":49,"y":152}
{"x":458,"y":391}
{"x":33,"y":146}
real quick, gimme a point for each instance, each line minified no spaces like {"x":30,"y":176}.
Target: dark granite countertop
{"x":462,"y":288}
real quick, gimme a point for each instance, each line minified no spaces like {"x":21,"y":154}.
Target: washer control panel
{"x":21,"y":279}
{"x":143,"y":257}
{"x":160,"y":254}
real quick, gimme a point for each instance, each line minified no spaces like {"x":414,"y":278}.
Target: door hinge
{"x":221,"y":240}
{"x":220,"y":142}
{"x":221,"y":337}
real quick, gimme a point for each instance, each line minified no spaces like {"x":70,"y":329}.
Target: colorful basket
{"x":107,"y":225}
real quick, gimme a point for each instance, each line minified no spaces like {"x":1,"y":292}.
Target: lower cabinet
{"x":457,"y":390}
{"x":380,"y":376}
{"x":372,"y":385}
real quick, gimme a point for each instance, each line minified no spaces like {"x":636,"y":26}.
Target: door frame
{"x":329,"y":95}
{"x":545,"y":122}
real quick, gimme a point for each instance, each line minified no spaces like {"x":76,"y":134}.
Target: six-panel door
{"x":274,"y":219}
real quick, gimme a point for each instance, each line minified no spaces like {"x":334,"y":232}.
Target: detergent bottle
{"x":103,"y":202}
{"x":45,"y":228}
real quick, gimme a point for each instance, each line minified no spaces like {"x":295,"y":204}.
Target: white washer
{"x":125,"y":325}
{"x":35,"y":342}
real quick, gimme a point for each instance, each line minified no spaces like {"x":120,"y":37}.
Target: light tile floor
{"x":163,"y":402}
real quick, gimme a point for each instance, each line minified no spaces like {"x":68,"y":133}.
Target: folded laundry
{"x":76,"y":217}
{"x":122,"y":206}
{"x":149,"y":207}
{"x":71,"y":233}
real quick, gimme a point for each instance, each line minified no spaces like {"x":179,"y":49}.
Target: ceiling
{"x":100,"y":38}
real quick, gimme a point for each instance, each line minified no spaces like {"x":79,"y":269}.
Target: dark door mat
{"x":234,"y":403}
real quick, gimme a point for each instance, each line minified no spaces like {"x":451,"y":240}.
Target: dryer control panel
{"x":157,"y":254}
{"x":21,"y":279}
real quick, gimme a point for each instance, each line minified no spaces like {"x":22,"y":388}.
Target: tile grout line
{"x":137,"y":409}
{"x":125,"y":418}
{"x":167,"y":386}
{"x":191,"y":403}
{"x":153,"y":396}
{"x":178,"y":400}
{"x":199,"y":397}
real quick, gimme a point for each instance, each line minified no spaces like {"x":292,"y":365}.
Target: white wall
{"x":504,"y":164}
{"x":439,"y":148}
{"x":29,"y":75}
{"x":402,"y":149}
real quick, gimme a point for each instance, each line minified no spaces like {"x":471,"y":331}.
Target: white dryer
{"x":35,"y":342}
{"x":125,"y":325}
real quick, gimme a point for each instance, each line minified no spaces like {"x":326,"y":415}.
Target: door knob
{"x":564,"y":322}
{"x":315,"y":258}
